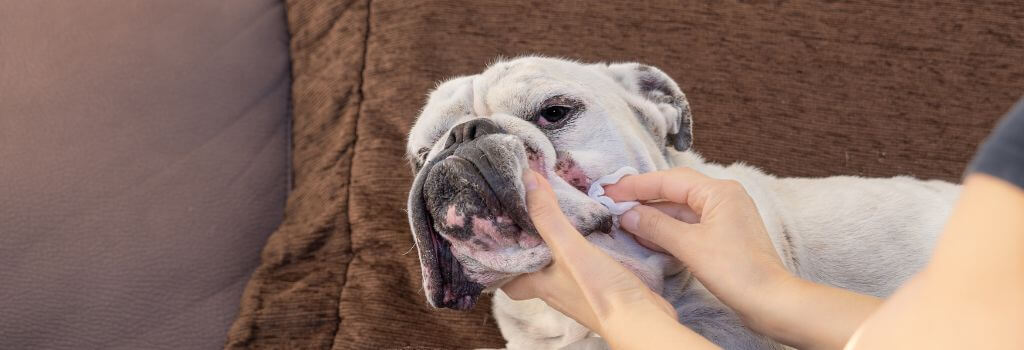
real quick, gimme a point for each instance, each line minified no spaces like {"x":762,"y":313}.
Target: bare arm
{"x":971,"y":295}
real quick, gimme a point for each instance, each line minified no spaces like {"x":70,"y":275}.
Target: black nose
{"x":472,"y":130}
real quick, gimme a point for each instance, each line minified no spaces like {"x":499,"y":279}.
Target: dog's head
{"x":571,"y":122}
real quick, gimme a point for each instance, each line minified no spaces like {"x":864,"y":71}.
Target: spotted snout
{"x":469,"y":214}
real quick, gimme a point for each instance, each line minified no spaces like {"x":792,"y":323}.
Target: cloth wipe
{"x":596,"y":191}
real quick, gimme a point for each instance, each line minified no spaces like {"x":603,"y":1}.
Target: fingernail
{"x":529,"y":180}
{"x":629,"y":220}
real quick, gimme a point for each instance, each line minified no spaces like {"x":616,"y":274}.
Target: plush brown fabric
{"x":291,"y":301}
{"x":143,"y":163}
{"x":800,"y":89}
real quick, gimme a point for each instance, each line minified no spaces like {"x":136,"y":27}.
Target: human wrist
{"x":771,"y":299}
{"x":619,"y":312}
{"x":629,"y":328}
{"x":626,"y":314}
{"x":651,"y":329}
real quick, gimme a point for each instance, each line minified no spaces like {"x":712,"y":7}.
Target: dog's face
{"x":571,"y":122}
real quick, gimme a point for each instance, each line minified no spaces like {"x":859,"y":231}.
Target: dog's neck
{"x":687,"y":158}
{"x":746,"y":174}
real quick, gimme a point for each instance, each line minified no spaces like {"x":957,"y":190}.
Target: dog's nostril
{"x":472,"y":130}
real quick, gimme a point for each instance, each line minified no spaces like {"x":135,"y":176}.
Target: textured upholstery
{"x":798,"y":88}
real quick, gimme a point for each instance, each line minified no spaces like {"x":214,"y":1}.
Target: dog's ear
{"x":657,"y":100}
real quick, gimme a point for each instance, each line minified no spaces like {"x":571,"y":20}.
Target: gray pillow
{"x":143,"y":162}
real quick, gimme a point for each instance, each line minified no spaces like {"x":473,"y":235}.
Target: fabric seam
{"x":355,"y":144}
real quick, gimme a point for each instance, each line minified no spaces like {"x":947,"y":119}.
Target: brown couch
{"x":877,"y":88}
{"x":144,"y":146}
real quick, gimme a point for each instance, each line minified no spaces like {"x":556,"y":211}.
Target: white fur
{"x":864,"y":234}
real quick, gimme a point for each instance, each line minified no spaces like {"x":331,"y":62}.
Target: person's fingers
{"x":679,"y":185}
{"x":650,"y":245}
{"x":522,"y":287}
{"x":665,"y":305}
{"x":677,"y":211}
{"x":674,"y":185}
{"x":656,"y":227}
{"x":542,"y":205}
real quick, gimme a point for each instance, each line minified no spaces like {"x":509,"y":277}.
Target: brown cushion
{"x":143,"y":163}
{"x":798,"y":89}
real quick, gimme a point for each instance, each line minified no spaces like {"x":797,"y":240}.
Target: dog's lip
{"x":425,"y":237}
{"x":438,"y":299}
{"x":432,"y":267}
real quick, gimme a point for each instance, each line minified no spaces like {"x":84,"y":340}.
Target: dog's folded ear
{"x":657,"y":101}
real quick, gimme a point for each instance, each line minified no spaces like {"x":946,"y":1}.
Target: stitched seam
{"x":351,"y":164}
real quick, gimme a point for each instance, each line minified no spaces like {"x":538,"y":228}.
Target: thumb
{"x":522,"y":287}
{"x":547,"y":216}
{"x":652,"y":225}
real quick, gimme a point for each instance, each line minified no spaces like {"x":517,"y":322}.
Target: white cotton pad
{"x":596,"y":191}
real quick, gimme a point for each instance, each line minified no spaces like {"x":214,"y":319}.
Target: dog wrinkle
{"x":480,"y":243}
{"x":787,"y":249}
{"x":649,"y":124}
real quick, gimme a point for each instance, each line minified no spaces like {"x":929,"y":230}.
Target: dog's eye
{"x":553,"y":114}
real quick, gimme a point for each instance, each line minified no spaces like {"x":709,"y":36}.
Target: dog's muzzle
{"x":466,"y":205}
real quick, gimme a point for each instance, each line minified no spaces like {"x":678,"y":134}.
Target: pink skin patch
{"x":489,"y":246}
{"x":453,"y":218}
{"x":486,"y":233}
{"x":486,"y":230}
{"x":567,"y":169}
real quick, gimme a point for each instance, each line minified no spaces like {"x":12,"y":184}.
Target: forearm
{"x":641,"y":329}
{"x":807,"y":315}
{"x":971,"y":295}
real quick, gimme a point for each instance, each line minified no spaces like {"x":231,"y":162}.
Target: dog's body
{"x":575,"y":123}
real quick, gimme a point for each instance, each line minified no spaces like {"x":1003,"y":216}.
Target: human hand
{"x":712,"y":226}
{"x":582,"y":281}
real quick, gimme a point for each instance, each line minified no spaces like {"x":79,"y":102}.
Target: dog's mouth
{"x":468,"y":216}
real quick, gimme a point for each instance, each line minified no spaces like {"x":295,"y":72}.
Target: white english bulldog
{"x":575,"y":123}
